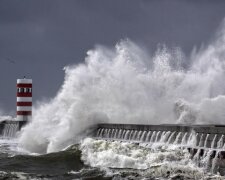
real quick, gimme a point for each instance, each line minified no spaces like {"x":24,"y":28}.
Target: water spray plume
{"x":126,"y":85}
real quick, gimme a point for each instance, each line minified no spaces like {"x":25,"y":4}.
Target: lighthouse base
{"x":23,"y":118}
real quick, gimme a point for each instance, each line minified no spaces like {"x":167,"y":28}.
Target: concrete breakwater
{"x":8,"y":128}
{"x":207,"y":136}
{"x":205,"y":143}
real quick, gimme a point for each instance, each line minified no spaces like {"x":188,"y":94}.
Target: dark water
{"x":68,"y":164}
{"x":60,"y":165}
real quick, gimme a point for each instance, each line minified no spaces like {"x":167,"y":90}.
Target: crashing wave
{"x":127,"y":85}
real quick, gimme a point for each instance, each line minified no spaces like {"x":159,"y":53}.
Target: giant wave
{"x":127,"y":85}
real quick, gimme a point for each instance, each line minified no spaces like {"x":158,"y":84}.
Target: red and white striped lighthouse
{"x":24,"y":99}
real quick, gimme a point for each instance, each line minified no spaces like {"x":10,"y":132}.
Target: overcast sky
{"x":39,"y":37}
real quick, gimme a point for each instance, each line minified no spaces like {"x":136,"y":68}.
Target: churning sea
{"x":100,"y":159}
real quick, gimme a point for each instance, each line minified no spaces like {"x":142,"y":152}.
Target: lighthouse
{"x":24,"y":99}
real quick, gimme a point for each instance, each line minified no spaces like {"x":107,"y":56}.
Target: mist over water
{"x":127,"y":85}
{"x":4,"y":117}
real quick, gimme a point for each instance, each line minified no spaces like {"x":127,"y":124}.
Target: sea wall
{"x":205,"y":143}
{"x":206,"y":133}
{"x":208,"y":129}
{"x":191,"y":136}
{"x":11,"y":122}
{"x":1,"y":127}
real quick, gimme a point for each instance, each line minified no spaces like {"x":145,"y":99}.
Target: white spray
{"x":4,"y":117}
{"x":126,"y":85}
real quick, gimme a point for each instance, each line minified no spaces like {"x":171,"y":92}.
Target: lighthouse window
{"x":21,"y":90}
{"x":25,"y":90}
{"x":18,"y":90}
{"x":30,"y":90}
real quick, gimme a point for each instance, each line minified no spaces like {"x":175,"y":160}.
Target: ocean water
{"x":101,"y":159}
{"x":18,"y":164}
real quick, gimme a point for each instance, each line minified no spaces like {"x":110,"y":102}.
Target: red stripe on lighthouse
{"x":24,"y":94}
{"x":24,"y":85}
{"x":24,"y":103}
{"x":24,"y":113}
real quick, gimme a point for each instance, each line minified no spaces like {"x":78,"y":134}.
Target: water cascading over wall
{"x":9,"y":128}
{"x":204,"y":142}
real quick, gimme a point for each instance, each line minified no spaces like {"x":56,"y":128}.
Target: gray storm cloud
{"x":44,"y":36}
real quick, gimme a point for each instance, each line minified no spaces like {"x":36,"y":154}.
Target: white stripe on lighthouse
{"x":24,"y":108}
{"x":24,"y":99}
{"x":24,"y":81}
